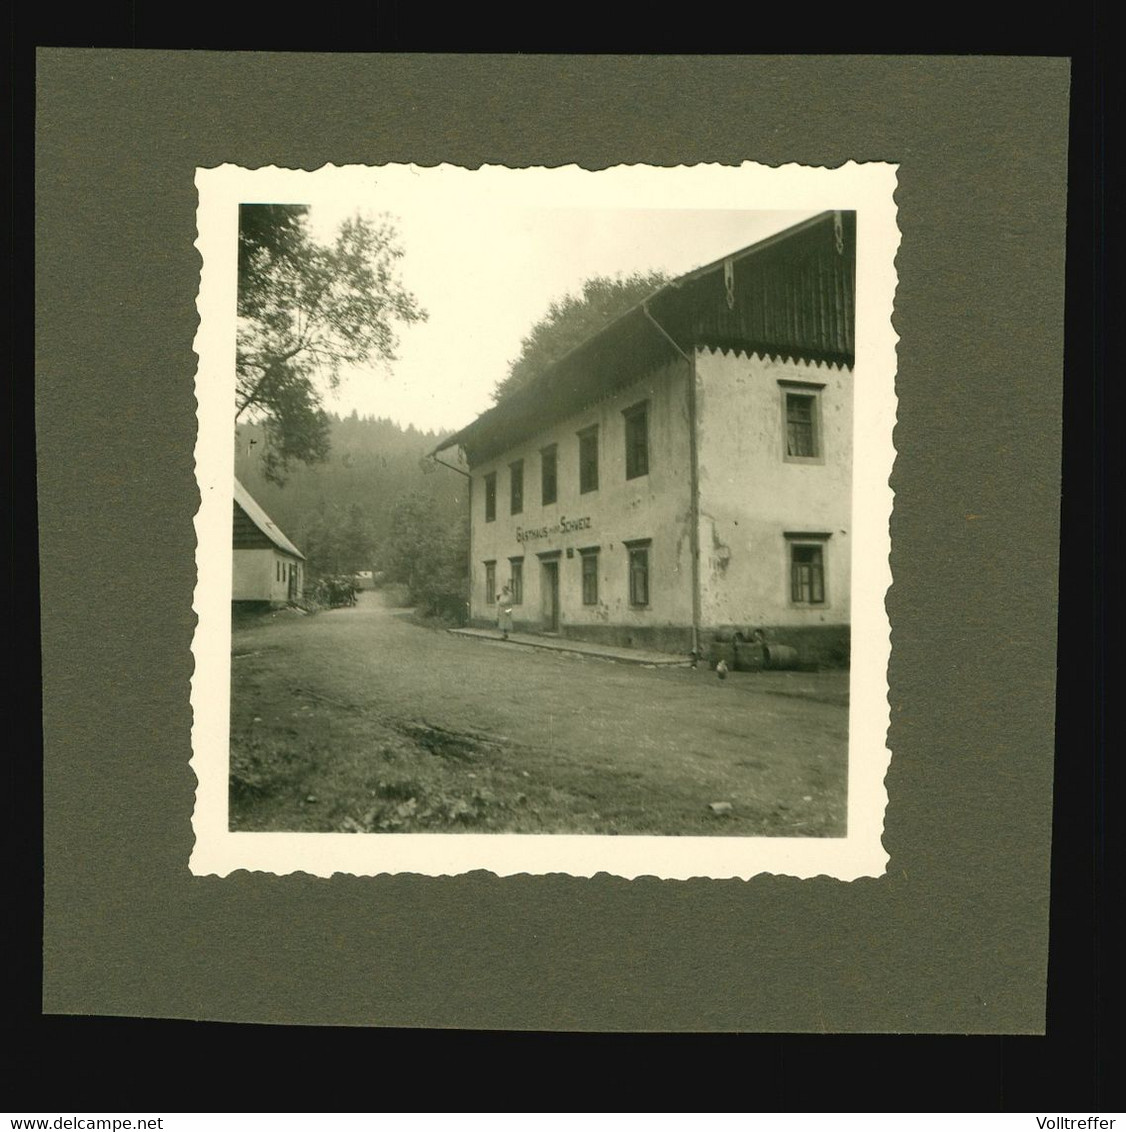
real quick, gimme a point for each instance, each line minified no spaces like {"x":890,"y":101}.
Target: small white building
{"x":267,"y":566}
{"x":686,"y":473}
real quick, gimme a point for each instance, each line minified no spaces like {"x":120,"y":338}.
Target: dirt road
{"x":359,"y":719}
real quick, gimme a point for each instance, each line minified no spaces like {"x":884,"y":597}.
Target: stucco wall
{"x":255,"y":576}
{"x":653,"y":506}
{"x":751,"y":494}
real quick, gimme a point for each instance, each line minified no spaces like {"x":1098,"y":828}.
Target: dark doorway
{"x":549,"y":589}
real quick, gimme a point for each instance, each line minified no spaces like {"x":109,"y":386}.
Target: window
{"x":588,"y":459}
{"x":490,"y":497}
{"x":548,"y":468}
{"x":638,"y":571}
{"x":517,"y":478}
{"x":807,"y":570}
{"x":637,"y":441}
{"x":590,"y":575}
{"x":490,"y":583}
{"x":516,"y":584}
{"x":800,"y":440}
{"x":801,"y":411}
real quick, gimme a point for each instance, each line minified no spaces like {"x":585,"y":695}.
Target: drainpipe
{"x":694,"y":478}
{"x":459,"y":471}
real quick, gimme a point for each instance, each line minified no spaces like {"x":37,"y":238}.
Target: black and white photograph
{"x":545,"y":519}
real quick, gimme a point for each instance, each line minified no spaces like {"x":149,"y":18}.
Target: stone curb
{"x":562,"y":646}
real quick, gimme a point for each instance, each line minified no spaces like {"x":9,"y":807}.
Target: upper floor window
{"x":801,"y":413}
{"x":548,"y":478}
{"x":490,"y":497}
{"x":588,"y":459}
{"x":801,"y":436}
{"x":637,"y":440}
{"x":517,"y":494}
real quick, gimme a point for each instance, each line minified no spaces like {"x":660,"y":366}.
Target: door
{"x":549,"y":590}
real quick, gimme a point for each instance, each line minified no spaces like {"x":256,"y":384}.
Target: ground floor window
{"x":490,"y":583}
{"x":590,"y":576}
{"x":638,"y":571}
{"x":807,"y":572}
{"x":516,"y":584}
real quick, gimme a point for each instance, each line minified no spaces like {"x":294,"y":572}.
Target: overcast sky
{"x":486,"y":258}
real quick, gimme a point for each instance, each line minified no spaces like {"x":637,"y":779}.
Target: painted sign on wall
{"x":564,"y":526}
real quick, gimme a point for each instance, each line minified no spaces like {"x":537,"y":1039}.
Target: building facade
{"x":268,"y":568}
{"x":685,"y":474}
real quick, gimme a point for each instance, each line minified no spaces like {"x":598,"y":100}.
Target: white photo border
{"x":868,"y":188}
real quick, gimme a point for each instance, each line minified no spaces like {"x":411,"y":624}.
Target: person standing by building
{"x":504,"y":611}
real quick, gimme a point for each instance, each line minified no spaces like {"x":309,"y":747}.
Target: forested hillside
{"x":376,"y":503}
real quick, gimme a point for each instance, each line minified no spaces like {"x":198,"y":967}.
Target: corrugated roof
{"x":253,"y":511}
{"x":792,"y":295}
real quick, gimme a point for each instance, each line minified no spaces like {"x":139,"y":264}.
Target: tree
{"x":339,"y":539}
{"x":358,"y":538}
{"x":305,"y":311}
{"x":428,"y":553}
{"x":266,"y":233}
{"x":322,"y":542}
{"x":573,"y":319}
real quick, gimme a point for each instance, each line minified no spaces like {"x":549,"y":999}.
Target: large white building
{"x":686,"y":473}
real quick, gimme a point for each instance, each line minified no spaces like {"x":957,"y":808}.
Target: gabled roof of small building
{"x":790,"y":295}
{"x":252,"y":509}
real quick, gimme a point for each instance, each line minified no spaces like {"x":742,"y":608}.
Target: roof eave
{"x":511,"y":404}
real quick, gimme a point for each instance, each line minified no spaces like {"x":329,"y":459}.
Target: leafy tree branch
{"x":305,"y":311}
{"x":573,"y":319}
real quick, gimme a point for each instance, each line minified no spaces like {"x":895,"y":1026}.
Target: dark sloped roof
{"x":791,"y":295}
{"x":250,"y":507}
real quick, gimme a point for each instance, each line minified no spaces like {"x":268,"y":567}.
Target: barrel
{"x":780,"y":656}
{"x":750,"y":656}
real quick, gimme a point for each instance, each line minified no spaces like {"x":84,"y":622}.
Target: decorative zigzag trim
{"x":768,"y":356}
